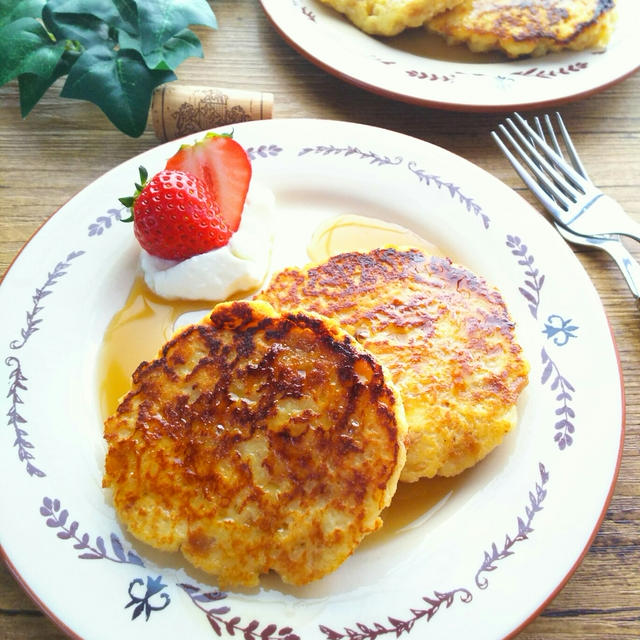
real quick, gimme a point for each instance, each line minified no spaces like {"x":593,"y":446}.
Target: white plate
{"x":418,"y":68}
{"x":489,"y":555}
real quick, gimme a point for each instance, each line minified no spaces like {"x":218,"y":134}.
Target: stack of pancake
{"x":516,"y":27}
{"x":272,"y":434}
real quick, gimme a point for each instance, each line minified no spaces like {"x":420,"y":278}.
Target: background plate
{"x":488,"y":555}
{"x":417,"y":67}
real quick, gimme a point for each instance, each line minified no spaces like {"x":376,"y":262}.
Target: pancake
{"x":257,"y":441}
{"x":444,"y":334}
{"x":522,"y":27}
{"x":389,"y":17}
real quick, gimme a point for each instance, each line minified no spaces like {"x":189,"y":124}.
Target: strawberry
{"x":224,"y":166}
{"x":174,"y":216}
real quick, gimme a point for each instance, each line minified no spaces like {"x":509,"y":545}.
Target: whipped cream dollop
{"x":240,"y":265}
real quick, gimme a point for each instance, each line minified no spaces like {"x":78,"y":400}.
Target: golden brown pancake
{"x":522,"y":27}
{"x":389,"y":17}
{"x":255,"y":442}
{"x":444,"y":334}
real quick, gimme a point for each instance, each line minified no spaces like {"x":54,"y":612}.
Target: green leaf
{"x":183,"y":45}
{"x":79,"y":27}
{"x":128,"y":12}
{"x":118,"y":82}
{"x":12,"y":10}
{"x":120,"y":14}
{"x":113,"y":52}
{"x":33,"y":87}
{"x":162,"y":20}
{"x":28,"y":48}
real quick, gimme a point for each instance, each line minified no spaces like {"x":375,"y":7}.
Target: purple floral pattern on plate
{"x":263,"y":151}
{"x":534,"y":279}
{"x":17,"y":378}
{"x":454,"y":191}
{"x":346,"y":151}
{"x":533,"y":72}
{"x":151,"y":595}
{"x":217,"y":616}
{"x":551,"y":74}
{"x":32,"y":315}
{"x":395,"y":627}
{"x":106,"y":221}
{"x":536,"y":498}
{"x":144,"y":602}
{"x":560,"y":331}
{"x":563,"y":390}
{"x":17,"y":384}
{"x":58,"y":518}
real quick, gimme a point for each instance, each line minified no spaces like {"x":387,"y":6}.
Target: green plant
{"x":112,"y":52}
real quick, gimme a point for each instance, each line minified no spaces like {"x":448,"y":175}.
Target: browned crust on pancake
{"x":257,"y":442}
{"x":444,"y":334}
{"x":524,"y":27}
{"x":525,"y":20}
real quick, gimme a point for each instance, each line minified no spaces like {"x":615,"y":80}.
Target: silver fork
{"x":610,"y":243}
{"x":573,"y":200}
{"x":627,"y":264}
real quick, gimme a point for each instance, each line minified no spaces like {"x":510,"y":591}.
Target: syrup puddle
{"x":352,"y":232}
{"x":422,"y":43}
{"x":413,"y":504}
{"x":134,"y":335}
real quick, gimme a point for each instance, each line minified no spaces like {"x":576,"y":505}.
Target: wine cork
{"x":177,"y":111}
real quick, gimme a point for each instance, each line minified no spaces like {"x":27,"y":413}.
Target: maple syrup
{"x":412,"y":504}
{"x":431,"y":46}
{"x":135,"y":334}
{"x":352,"y":232}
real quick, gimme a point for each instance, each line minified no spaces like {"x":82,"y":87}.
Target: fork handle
{"x":627,"y":264}
{"x":603,"y":216}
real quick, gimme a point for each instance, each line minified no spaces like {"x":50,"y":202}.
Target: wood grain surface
{"x":63,"y":145}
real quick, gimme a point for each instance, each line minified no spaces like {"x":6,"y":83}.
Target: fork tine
{"x":554,"y":141}
{"x":571,"y":150}
{"x":602,"y":242}
{"x":551,"y":133}
{"x":590,"y":212}
{"x":555,"y":159}
{"x":532,"y":142}
{"x":536,"y":166}
{"x":547,"y":201}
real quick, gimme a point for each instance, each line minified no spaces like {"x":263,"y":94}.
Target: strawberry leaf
{"x":118,"y":82}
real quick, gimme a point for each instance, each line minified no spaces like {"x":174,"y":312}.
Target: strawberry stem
{"x":129,"y":201}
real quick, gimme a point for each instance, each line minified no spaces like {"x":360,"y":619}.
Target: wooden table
{"x":63,"y":145}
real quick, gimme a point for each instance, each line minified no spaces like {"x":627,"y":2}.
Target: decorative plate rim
{"x":382,"y":154}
